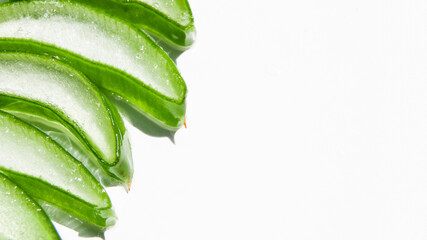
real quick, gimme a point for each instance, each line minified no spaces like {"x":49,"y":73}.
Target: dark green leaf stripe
{"x":71,"y":204}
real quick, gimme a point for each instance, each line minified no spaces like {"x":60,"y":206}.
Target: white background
{"x":306,"y":120}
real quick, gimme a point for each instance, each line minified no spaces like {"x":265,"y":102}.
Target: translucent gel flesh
{"x":63,"y":91}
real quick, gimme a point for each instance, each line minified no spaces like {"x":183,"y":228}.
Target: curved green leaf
{"x":170,"y":21}
{"x":120,"y":59}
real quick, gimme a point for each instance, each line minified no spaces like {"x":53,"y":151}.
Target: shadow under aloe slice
{"x":21,"y":217}
{"x":116,"y":56}
{"x":65,"y":105}
{"x":46,"y":172}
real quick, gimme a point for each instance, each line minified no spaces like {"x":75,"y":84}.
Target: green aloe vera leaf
{"x":170,"y":21}
{"x":20,"y":216}
{"x":116,"y":56}
{"x":65,"y":105}
{"x":46,"y":172}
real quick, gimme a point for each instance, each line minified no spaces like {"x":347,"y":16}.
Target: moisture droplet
{"x":20,"y":30}
{"x":184,"y":16}
{"x":139,"y":56}
{"x":156,"y":5}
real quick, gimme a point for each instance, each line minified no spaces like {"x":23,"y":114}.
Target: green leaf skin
{"x":120,"y":59}
{"x":20,"y":216}
{"x":65,"y":105}
{"x":49,"y":174}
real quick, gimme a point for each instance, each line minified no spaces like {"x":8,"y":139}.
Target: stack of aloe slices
{"x":61,"y":139}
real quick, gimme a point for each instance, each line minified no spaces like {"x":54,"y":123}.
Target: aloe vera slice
{"x":120,"y":59}
{"x":169,"y":20}
{"x":49,"y":174}
{"x":58,"y":99}
{"x":20,"y":216}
